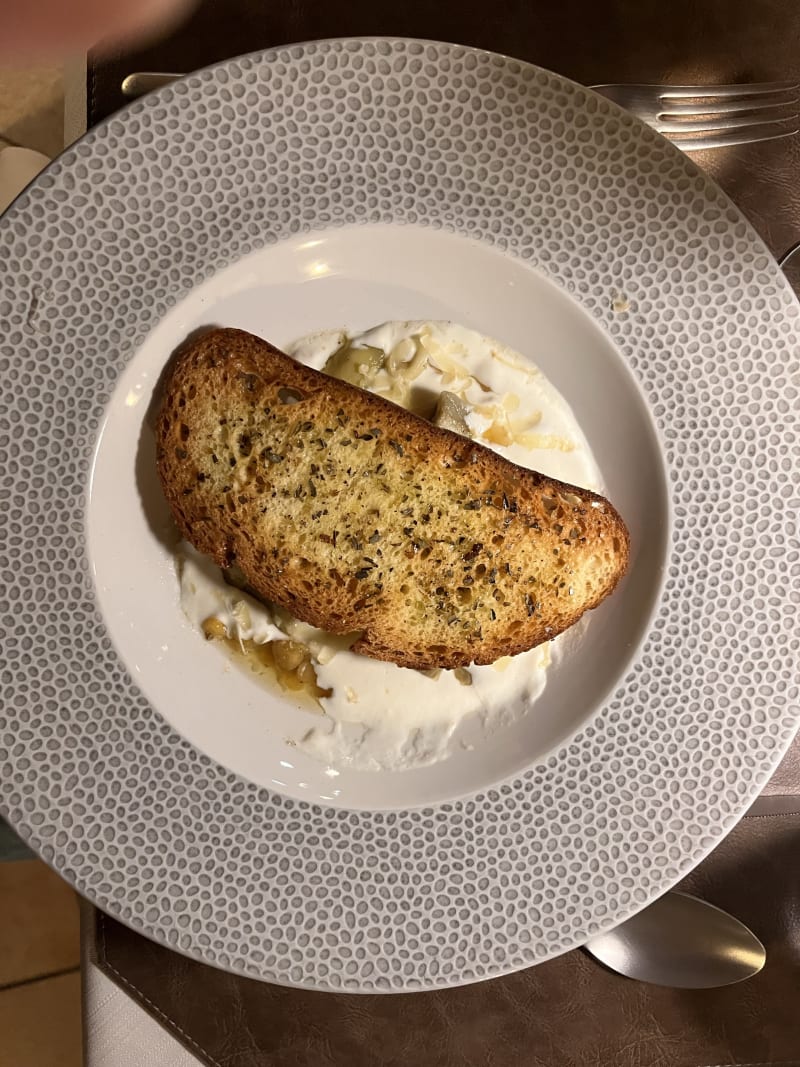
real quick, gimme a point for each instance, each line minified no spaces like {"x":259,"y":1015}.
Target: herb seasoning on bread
{"x":356,"y":515}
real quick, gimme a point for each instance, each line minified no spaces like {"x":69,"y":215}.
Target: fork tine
{"x":727,"y":107}
{"x":681,"y":92}
{"x":763,"y":111}
{"x":767,"y":118}
{"x":750,"y":135}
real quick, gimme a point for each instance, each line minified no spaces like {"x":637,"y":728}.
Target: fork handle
{"x":143,"y":81}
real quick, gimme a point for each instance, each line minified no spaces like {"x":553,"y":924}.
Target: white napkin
{"x":117,"y":1031}
{"x":18,"y":166}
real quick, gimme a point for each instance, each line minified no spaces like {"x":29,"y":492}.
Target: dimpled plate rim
{"x":227,"y":160}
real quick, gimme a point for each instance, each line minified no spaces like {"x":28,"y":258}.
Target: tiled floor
{"x":40,"y":1008}
{"x":32,"y":109}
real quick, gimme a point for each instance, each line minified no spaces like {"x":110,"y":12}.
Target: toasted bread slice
{"x":356,"y":515}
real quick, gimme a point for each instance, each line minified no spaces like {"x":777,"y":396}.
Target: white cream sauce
{"x":381,"y":716}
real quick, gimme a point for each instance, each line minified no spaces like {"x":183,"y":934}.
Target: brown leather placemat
{"x":569,"y":1012}
{"x":614,"y":41}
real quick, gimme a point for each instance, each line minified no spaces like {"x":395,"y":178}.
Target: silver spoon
{"x":682,"y":942}
{"x":784,"y":259}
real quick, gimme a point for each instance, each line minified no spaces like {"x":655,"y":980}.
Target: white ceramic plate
{"x":342,"y":183}
{"x":354,"y":277}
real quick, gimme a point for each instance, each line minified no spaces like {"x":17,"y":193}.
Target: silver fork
{"x":693,"y":117}
{"x":696,"y":117}
{"x":142,"y":82}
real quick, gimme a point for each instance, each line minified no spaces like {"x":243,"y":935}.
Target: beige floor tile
{"x":32,"y":108}
{"x":40,"y":1023}
{"x":38,"y":923}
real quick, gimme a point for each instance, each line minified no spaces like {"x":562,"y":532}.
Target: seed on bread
{"x":356,"y":515}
